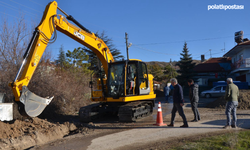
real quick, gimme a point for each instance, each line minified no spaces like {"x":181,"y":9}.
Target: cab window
{"x":131,"y":79}
{"x":143,"y":79}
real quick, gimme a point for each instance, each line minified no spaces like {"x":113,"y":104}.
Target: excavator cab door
{"x":116,"y":78}
{"x":131,"y":78}
{"x":144,"y":88}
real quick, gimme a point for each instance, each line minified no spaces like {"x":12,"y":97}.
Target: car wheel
{"x":208,"y":95}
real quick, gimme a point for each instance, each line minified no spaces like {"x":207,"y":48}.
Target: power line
{"x":12,"y":15}
{"x":209,"y":54}
{"x":9,"y":14}
{"x":37,"y":3}
{"x":14,"y":8}
{"x":195,"y":40}
{"x":154,"y":51}
{"x":8,"y":4}
{"x":25,"y":6}
{"x":200,"y":53}
{"x":175,"y":54}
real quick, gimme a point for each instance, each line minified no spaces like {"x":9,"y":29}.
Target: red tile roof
{"x":212,"y":65}
{"x":218,"y":60}
{"x":244,"y":43}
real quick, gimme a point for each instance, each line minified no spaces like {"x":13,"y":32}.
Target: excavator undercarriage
{"x":127,"y":112}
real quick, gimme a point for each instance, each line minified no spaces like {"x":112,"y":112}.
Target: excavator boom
{"x":51,"y":21}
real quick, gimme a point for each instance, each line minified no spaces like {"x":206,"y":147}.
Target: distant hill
{"x":174,"y":63}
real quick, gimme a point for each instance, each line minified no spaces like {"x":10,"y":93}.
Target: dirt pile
{"x":25,"y":134}
{"x":244,"y":101}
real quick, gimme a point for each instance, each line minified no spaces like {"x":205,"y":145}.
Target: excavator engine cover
{"x":33,"y":104}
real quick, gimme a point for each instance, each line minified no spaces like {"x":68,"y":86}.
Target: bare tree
{"x":13,"y":42}
{"x":70,"y":90}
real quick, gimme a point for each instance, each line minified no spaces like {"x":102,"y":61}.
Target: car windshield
{"x":217,"y":88}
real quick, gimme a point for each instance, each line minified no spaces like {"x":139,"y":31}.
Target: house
{"x":212,"y":70}
{"x":240,"y":55}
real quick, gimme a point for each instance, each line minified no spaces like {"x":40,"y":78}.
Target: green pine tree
{"x":186,"y":67}
{"x":61,"y":59}
{"x":78,"y":60}
{"x":93,"y":60}
{"x":169,"y":72}
{"x":156,"y":71}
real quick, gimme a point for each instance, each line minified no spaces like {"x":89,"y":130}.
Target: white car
{"x":216,"y":91}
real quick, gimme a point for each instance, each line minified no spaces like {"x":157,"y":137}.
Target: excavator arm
{"x":42,"y":36}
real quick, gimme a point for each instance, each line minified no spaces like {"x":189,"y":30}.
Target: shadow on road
{"x":242,"y":123}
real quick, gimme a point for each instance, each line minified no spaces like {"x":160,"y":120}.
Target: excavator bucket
{"x":33,"y":104}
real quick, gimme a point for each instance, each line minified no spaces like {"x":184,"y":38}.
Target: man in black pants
{"x":194,"y":99}
{"x":178,"y":102}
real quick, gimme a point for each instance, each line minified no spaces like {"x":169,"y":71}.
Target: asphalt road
{"x":134,"y":135}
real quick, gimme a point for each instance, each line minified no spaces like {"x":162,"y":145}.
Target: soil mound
{"x":24,"y":134}
{"x":244,"y":101}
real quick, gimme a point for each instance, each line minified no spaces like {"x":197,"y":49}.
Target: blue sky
{"x":157,"y":28}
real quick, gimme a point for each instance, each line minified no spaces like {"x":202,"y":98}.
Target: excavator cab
{"x":127,"y":78}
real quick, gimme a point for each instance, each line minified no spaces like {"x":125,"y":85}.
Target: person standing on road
{"x":178,"y":102}
{"x":166,"y":91}
{"x":231,"y":96}
{"x":194,"y":99}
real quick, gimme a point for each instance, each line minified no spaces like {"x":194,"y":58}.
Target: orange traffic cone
{"x":159,"y":121}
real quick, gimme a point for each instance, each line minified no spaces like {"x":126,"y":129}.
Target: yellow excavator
{"x":126,"y":87}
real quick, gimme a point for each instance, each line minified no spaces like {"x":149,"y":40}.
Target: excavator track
{"x":133,"y":111}
{"x":128,"y":112}
{"x":90,"y":112}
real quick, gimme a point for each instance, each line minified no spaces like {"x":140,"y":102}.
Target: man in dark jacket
{"x":178,"y":102}
{"x":194,"y":99}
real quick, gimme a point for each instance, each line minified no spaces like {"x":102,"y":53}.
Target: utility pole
{"x":223,"y":49}
{"x":127,"y":45}
{"x":126,"y":37}
{"x":210,"y":53}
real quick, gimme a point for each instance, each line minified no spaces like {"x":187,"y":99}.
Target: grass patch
{"x":237,"y":140}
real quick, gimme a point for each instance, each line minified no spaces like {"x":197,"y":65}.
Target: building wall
{"x":245,"y":53}
{"x":248,"y":78}
{"x":242,"y":73}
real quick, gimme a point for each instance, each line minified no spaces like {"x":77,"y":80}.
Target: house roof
{"x":217,"y":60}
{"x":221,"y":64}
{"x":236,"y":49}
